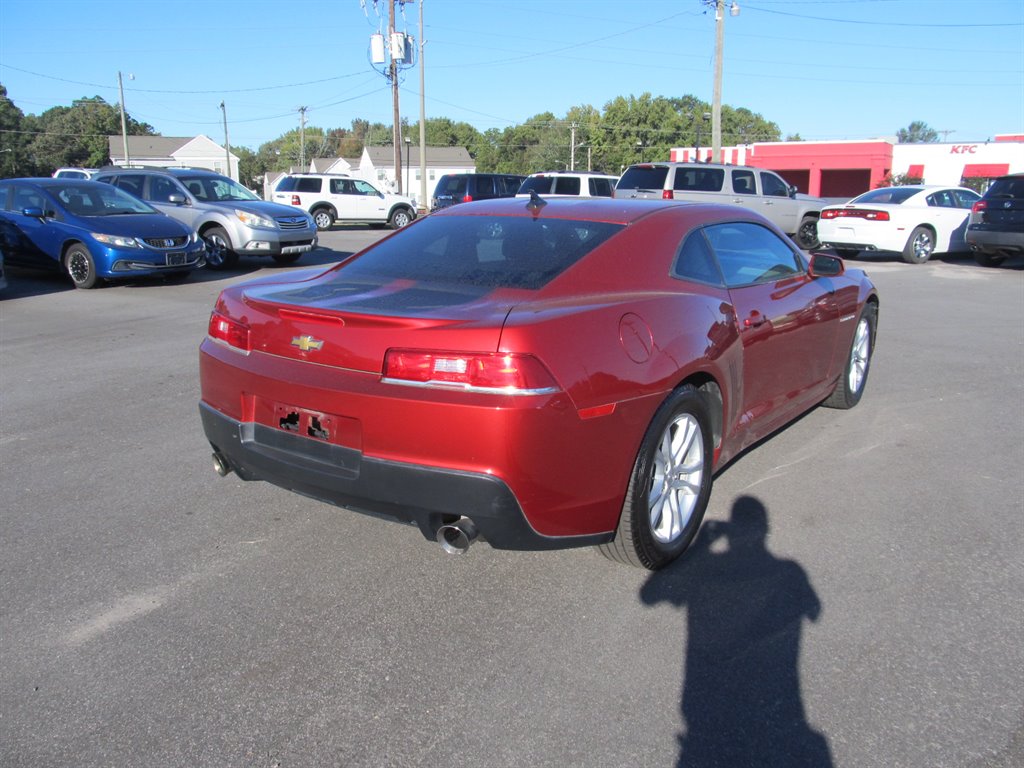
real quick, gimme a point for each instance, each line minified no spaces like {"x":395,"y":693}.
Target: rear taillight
{"x":230,"y":332}
{"x":467,"y":198}
{"x":979,"y":206}
{"x":854,"y":213}
{"x":505,"y":373}
{"x":296,"y":200}
{"x":667,"y":194}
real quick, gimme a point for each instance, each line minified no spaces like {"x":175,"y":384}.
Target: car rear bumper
{"x":426,"y":496}
{"x":984,"y":239}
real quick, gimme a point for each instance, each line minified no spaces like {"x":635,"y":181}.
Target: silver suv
{"x":230,"y":218}
{"x":754,"y":188}
{"x":336,"y":197}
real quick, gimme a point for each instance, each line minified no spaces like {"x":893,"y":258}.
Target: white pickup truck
{"x":763,"y":191}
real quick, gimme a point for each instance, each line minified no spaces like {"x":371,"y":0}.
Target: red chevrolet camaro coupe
{"x":540,"y":374}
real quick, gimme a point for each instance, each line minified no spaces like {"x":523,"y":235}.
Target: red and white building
{"x":847,"y":168}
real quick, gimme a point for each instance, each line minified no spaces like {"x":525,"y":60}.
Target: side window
{"x":749,"y":253}
{"x":364,"y":188}
{"x":774,"y":186}
{"x":336,"y":187}
{"x":507,"y":186}
{"x":26,"y":198}
{"x":965,"y":199}
{"x":696,"y":262}
{"x":941,"y":199}
{"x":600,"y":188}
{"x":698,"y":179}
{"x":131,"y":183}
{"x":567,"y":185}
{"x":5,"y":197}
{"x":307,"y":184}
{"x":161,"y":189}
{"x":743,"y":183}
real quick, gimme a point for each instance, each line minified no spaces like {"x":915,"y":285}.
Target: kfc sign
{"x":963,"y":149}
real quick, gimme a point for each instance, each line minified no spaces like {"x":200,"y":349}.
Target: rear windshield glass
{"x":1011,"y":188}
{"x":451,"y":185}
{"x":479,"y":251}
{"x":643,"y":177}
{"x":890,"y":195}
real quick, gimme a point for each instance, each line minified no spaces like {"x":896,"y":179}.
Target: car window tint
{"x":132,"y":183}
{"x":601,"y":187}
{"x":161,"y":189}
{"x":698,"y":179}
{"x":508,"y":185}
{"x":749,"y":253}
{"x":336,"y":186}
{"x":479,"y":251}
{"x":643,"y":177}
{"x":567,"y":185}
{"x":941,"y":199}
{"x":5,"y":197}
{"x":743,"y":183}
{"x":890,"y":195}
{"x":1010,"y":187}
{"x":965,"y":198}
{"x":25,"y":197}
{"x":539,"y":184}
{"x":307,"y":184}
{"x":773,"y":185}
{"x":696,"y":262}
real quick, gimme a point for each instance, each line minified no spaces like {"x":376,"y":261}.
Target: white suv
{"x":568,"y":184}
{"x":335,"y":197}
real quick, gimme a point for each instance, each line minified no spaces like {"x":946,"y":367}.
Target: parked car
{"x":92,"y":231}
{"x":915,"y":220}
{"x":330,"y":198}
{"x":995,"y":228}
{"x":541,"y":375}
{"x":3,"y":275}
{"x":75,"y":173}
{"x":455,"y":188}
{"x":755,"y":188}
{"x":231,"y":219}
{"x":568,"y":184}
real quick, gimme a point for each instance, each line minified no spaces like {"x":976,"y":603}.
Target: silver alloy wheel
{"x":923,"y":245}
{"x":677,"y":478}
{"x":78,"y":266}
{"x":860,"y":354}
{"x":400,"y":219}
{"x":323,"y":219}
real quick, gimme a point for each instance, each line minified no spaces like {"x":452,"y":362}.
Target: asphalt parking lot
{"x":155,"y":614}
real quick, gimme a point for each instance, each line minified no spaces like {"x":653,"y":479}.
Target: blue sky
{"x":825,"y":69}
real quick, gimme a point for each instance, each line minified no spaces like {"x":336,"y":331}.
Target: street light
{"x":124,"y":125}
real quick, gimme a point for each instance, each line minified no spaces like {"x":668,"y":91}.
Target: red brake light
{"x":854,"y":213}
{"x":508,"y":373}
{"x":979,"y":206}
{"x":467,"y":198}
{"x":230,"y":332}
{"x":296,"y":200}
{"x":667,"y":194}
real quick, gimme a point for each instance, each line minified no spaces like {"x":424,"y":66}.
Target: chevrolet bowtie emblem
{"x":307,"y":343}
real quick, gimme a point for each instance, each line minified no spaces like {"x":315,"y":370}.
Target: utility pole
{"x":572,"y":146}
{"x":124,"y":125}
{"x":227,"y":144}
{"x":396,"y":129}
{"x":423,"y":124}
{"x":302,"y":139}
{"x":716,"y":98}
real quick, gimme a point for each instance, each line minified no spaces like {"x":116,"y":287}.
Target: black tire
{"x":218,"y":249}
{"x":846,"y":253}
{"x":81,"y":268}
{"x":400,"y":217}
{"x":646,"y":537}
{"x":323,"y":218}
{"x":989,"y":259}
{"x":920,"y":246}
{"x":286,"y":258}
{"x":851,"y":384}
{"x":807,"y":233}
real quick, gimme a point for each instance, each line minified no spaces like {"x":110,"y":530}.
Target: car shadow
{"x":962,"y":259}
{"x":741,"y":703}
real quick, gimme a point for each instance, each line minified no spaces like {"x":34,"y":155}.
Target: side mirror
{"x":34,"y":212}
{"x":793,"y":190}
{"x":823,"y":265}
{"x":176,"y":199}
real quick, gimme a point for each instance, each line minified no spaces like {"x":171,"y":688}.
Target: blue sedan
{"x":92,"y":231}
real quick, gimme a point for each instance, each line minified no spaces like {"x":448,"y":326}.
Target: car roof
{"x":606,"y":209}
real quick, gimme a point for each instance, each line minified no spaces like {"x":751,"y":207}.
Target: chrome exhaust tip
{"x":456,"y":538}
{"x":221,"y":465}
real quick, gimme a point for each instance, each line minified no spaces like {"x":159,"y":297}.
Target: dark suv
{"x":995,"y":228}
{"x":465,"y":187}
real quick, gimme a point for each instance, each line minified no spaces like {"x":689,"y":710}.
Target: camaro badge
{"x":307,"y":343}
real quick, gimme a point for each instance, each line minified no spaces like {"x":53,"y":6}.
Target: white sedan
{"x":916,"y":221}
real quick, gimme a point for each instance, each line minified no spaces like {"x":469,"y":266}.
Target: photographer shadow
{"x":741,"y":702}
